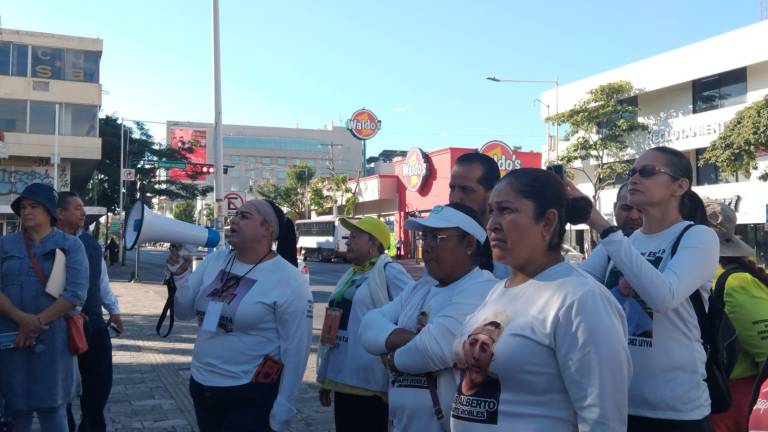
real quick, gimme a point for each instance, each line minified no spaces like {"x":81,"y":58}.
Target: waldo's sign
{"x":509,"y":159}
{"x":415,"y":169}
{"x":363,"y":124}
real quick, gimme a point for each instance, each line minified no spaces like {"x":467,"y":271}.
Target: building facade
{"x":686,"y":97}
{"x":257,"y":154}
{"x":47,"y":80}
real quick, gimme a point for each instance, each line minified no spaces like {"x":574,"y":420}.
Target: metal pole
{"x":218,"y":158}
{"x":121,"y":250}
{"x":363,"y":161}
{"x":56,"y":150}
{"x":557,"y":111}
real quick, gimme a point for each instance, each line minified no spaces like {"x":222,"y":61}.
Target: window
{"x":82,"y":65}
{"x":234,"y":172}
{"x":48,"y":63}
{"x":5,"y":58}
{"x":266,"y":160}
{"x":234,"y":187}
{"x":235,"y":159}
{"x":281,"y":175}
{"x":281,"y":161}
{"x":42,"y":117}
{"x":78,"y":120}
{"x":719,"y":91}
{"x":13,"y":115}
{"x":266,"y":174}
{"x":20,"y":60}
{"x":296,"y":161}
{"x":630,"y":101}
{"x":251,"y":160}
{"x":708,"y":174}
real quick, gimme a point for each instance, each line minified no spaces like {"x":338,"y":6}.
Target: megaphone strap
{"x":168,"y":308}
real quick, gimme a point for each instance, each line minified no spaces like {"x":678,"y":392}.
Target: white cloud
{"x":401,"y":109}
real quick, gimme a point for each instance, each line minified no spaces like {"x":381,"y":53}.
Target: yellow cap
{"x":371,"y":225}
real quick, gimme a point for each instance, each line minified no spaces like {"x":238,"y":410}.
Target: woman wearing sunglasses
{"x":254,"y":310}
{"x":668,"y":391}
{"x":415,"y":332}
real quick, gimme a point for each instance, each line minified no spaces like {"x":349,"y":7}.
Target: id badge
{"x":330,"y":326}
{"x":268,"y":371}
{"x":212,"y":315}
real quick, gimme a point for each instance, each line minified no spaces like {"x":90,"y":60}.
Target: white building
{"x":40,"y":72}
{"x":686,"y":97}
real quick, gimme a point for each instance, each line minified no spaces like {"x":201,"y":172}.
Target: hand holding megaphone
{"x":180,"y":259}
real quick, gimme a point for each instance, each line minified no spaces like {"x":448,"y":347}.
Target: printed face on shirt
{"x":465,"y":189}
{"x":248,"y":228}
{"x":655,"y":190}
{"x":33,"y":214}
{"x":73,"y":215}
{"x":478,"y":353}
{"x":516,"y":236}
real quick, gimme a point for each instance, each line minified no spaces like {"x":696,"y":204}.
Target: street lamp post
{"x":557,"y":98}
{"x":545,"y":105}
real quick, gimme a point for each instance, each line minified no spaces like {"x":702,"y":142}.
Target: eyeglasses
{"x":434,"y":238}
{"x":648,"y":171}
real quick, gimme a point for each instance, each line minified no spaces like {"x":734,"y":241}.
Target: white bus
{"x":322,"y":238}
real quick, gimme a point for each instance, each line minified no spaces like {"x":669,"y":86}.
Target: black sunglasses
{"x":647,"y":171}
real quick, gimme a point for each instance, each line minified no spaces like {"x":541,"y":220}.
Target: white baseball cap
{"x":447,"y":217}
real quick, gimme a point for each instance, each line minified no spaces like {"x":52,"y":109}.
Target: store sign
{"x":662,"y":135}
{"x":732,"y":202}
{"x":415,"y":169}
{"x":509,"y":159}
{"x":363,"y":124}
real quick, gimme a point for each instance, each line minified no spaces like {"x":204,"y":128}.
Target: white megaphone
{"x":143,"y":225}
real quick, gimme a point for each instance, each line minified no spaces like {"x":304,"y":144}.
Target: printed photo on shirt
{"x":477,"y":397}
{"x":639,"y":314}
{"x":230,"y":291}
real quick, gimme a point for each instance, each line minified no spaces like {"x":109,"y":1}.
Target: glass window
{"x":20,"y":60}
{"x":266,"y":174}
{"x":266,"y":160}
{"x":235,"y":159}
{"x":48,"y":63}
{"x":234,"y":187}
{"x":708,"y":174}
{"x":281,"y":174}
{"x":78,"y":120}
{"x":42,"y":117}
{"x":281,"y":161}
{"x":82,"y":65}
{"x":719,"y":91}
{"x":234,"y":172}
{"x":296,"y":161}
{"x":251,"y":159}
{"x":13,"y":115}
{"x":5,"y":58}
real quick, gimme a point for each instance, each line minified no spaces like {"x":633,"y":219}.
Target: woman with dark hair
{"x":668,"y":391}
{"x":744,"y":287}
{"x":254,"y":310}
{"x":415,"y":332}
{"x":556,"y":340}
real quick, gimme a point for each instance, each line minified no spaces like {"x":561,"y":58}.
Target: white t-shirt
{"x":444,"y":310}
{"x":501,"y":271}
{"x":549,"y":355}
{"x":348,"y":362}
{"x":664,"y":334}
{"x":268,"y":313}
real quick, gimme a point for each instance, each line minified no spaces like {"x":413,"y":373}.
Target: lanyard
{"x":231,"y":263}
{"x":340,"y":293}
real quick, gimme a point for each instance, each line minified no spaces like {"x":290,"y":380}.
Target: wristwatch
{"x":608,"y":231}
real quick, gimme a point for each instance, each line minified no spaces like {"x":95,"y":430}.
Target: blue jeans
{"x":51,"y":419}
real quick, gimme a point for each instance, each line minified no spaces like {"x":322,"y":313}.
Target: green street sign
{"x":171,"y":164}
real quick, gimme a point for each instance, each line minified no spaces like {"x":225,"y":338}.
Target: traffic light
{"x":207,"y":169}
{"x":201,"y":168}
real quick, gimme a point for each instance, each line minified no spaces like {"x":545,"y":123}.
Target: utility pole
{"x":218,"y":139}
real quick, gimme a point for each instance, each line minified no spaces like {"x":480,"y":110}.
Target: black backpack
{"x":718,"y":337}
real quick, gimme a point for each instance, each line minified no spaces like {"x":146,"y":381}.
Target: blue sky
{"x":419,"y":65}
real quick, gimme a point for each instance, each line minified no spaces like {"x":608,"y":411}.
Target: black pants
{"x":243,"y":408}
{"x":96,"y":378}
{"x":360,"y":413}
{"x":646,"y":424}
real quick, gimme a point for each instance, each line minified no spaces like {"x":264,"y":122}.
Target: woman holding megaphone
{"x":254,"y":311}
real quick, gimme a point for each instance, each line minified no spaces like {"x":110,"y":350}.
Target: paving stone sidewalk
{"x":151,"y":374}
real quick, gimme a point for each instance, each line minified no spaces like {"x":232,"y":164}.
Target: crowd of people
{"x":499,"y":333}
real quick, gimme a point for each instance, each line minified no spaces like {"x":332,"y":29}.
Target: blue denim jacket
{"x":44,"y":376}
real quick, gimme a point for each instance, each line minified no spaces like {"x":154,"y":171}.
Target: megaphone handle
{"x":185,"y":251}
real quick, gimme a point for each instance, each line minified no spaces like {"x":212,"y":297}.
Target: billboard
{"x":192,"y":142}
{"x":509,"y":159}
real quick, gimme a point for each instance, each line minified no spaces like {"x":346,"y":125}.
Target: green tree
{"x":745,"y":136}
{"x":185,"y":211}
{"x":104,"y":187}
{"x":295,"y":195}
{"x":599,"y":127}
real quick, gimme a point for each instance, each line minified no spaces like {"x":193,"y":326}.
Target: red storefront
{"x":423,"y":180}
